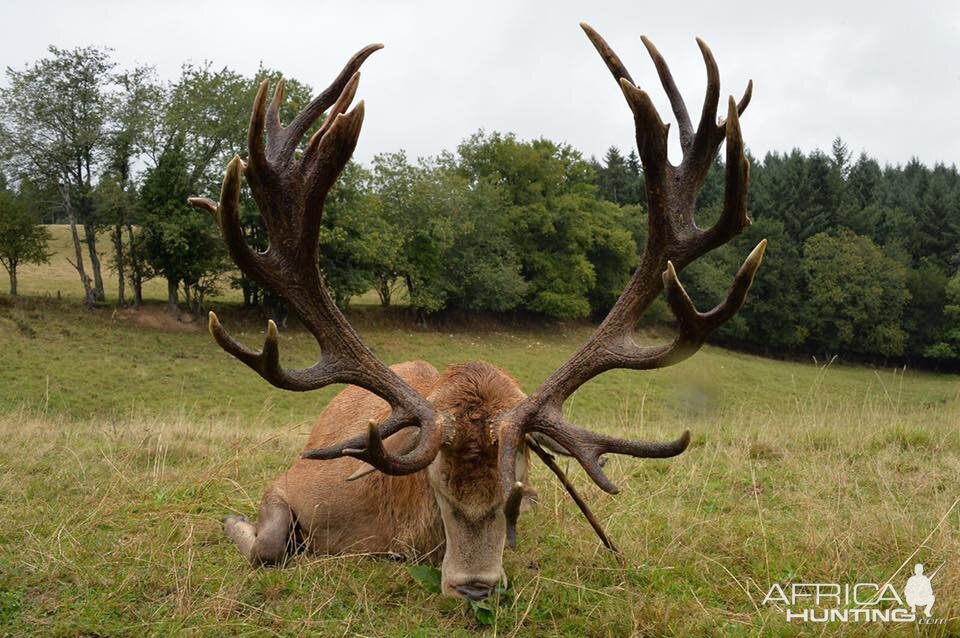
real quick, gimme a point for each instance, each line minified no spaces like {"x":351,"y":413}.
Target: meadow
{"x":129,"y":435}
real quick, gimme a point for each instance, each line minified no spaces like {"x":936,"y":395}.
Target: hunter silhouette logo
{"x":918,"y":591}
{"x":858,"y":602}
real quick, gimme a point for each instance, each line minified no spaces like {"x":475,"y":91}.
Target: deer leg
{"x":267,"y":542}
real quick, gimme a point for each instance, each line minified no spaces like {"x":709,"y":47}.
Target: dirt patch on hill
{"x":157,"y":318}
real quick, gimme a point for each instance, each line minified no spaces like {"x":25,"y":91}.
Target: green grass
{"x":127,"y":436}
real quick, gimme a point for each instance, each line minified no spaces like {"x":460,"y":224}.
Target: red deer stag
{"x":420,"y":463}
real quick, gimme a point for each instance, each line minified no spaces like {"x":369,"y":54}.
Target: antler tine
{"x":258,"y":169}
{"x":745,"y":100}
{"x":376,"y":454}
{"x":323,"y":164}
{"x":611,"y":59}
{"x":651,"y":131}
{"x":312,"y":112}
{"x":340,"y":106}
{"x":369,"y":447}
{"x":721,"y":130}
{"x":738,"y":175}
{"x":255,"y":143}
{"x":274,"y":126}
{"x":511,"y":510}
{"x":735,"y":298}
{"x":266,"y":363}
{"x":704,"y":140}
{"x":734,"y":218}
{"x":693,"y":327}
{"x":227,"y":214}
{"x":587,"y":447}
{"x":685,"y":128}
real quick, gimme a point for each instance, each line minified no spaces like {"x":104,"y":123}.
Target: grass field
{"x":127,"y":436}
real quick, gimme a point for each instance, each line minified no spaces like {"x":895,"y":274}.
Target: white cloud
{"x":885,"y":76}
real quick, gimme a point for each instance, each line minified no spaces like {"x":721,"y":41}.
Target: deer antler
{"x":674,"y":241}
{"x":290,"y":191}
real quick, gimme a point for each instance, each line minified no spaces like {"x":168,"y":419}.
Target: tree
{"x":22,"y":239}
{"x":946,"y":347}
{"x":482,"y":269}
{"x":200,"y":124}
{"x":855,"y":295}
{"x":615,"y":178}
{"x":54,"y":115}
{"x":776,"y":319}
{"x":180,"y":243}
{"x":419,"y":203}
{"x":359,"y":247}
{"x":135,"y":107}
{"x":556,"y":222}
{"x":209,"y":109}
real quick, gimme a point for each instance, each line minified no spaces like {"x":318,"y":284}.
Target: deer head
{"x":472,"y":434}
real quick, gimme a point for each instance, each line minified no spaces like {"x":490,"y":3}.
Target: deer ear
{"x":549,"y":444}
{"x":365,"y":468}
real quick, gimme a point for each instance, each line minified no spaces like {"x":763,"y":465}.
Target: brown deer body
{"x":379,"y":514}
{"x":423,"y":464}
{"x":313,"y":505}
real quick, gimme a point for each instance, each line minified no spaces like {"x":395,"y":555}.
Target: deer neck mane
{"x":409,"y":513}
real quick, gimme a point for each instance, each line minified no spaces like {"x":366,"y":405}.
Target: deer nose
{"x":474,"y":591}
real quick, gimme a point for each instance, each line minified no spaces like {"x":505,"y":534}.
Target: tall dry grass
{"x":111,"y":526}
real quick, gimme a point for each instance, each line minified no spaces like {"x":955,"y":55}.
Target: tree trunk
{"x":173,"y":296}
{"x":86,"y":207}
{"x":90,"y":236}
{"x":196,"y":304}
{"x":136,"y":282}
{"x":189,"y":297}
{"x":411,"y":288}
{"x":119,"y":258}
{"x":13,"y":281}
{"x":275,"y":309}
{"x":278,"y":312}
{"x":136,"y":275}
{"x":88,"y":295}
{"x":383,"y":289}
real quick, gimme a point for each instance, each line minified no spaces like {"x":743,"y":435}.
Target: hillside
{"x":129,"y":435}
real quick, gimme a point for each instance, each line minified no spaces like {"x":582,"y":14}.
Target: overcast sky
{"x":885,"y":76}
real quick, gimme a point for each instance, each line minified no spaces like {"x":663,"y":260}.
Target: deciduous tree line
{"x":862,"y":258}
